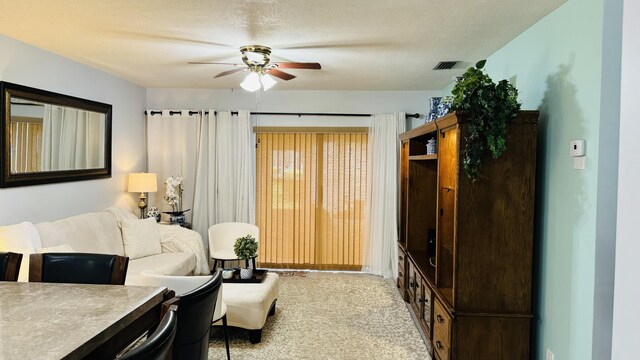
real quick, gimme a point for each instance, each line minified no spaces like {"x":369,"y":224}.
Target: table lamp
{"x":142,"y":183}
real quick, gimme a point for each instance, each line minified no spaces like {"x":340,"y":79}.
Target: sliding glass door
{"x":311,"y":189}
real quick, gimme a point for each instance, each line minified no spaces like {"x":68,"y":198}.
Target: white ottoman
{"x":248,"y":305}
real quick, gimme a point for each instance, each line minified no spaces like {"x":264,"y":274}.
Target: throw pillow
{"x":140,"y":237}
{"x":64,"y":248}
{"x":20,"y":238}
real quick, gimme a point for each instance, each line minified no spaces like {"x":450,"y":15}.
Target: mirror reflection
{"x":48,"y":137}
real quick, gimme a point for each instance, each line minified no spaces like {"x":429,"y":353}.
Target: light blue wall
{"x":557,"y":67}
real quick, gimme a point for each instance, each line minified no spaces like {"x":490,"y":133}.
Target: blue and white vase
{"x":153,"y":213}
{"x":176,"y":218}
{"x":444,"y":106}
{"x":431,"y":146}
{"x":434,"y":103}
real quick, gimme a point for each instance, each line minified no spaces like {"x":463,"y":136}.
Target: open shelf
{"x":421,"y":259}
{"x":424,"y":157}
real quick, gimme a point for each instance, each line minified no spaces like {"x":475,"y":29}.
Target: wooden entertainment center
{"x":465,"y":247}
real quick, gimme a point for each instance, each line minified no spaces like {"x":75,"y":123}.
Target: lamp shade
{"x":251,"y":82}
{"x":267,"y":81}
{"x":143,"y":182}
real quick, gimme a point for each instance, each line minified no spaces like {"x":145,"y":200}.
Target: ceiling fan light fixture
{"x":267,"y":81}
{"x":262,"y":73}
{"x":255,"y":57}
{"x":251,"y":82}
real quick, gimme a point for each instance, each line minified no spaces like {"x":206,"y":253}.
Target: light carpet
{"x":331,"y":316}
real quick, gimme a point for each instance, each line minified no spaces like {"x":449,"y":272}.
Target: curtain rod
{"x":416,"y":115}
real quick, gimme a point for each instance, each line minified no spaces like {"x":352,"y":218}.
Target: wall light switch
{"x":577,"y":148}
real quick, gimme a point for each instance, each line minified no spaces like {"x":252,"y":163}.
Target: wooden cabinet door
{"x":404,"y":187}
{"x":417,"y":294}
{"x":427,"y":307}
{"x":411,"y":281}
{"x":447,"y":186}
{"x":402,"y":271}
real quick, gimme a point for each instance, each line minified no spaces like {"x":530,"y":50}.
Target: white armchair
{"x":222,"y":237}
{"x":184,"y":284}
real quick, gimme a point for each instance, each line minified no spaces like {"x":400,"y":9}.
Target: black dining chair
{"x":10,"y":266}
{"x":158,"y":345}
{"x":78,"y":268}
{"x":195,"y":313}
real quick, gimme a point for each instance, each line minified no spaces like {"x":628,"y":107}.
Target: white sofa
{"x":182,"y":251}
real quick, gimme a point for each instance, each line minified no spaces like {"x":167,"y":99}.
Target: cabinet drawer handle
{"x":440,"y":319}
{"x":400,"y":274}
{"x":400,"y":258}
{"x":417,"y":285}
{"x":439,"y":345}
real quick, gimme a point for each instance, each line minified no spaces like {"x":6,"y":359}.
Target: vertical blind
{"x":311,"y":190}
{"x":26,"y":146}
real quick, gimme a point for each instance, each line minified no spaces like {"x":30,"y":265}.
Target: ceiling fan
{"x":257,"y":60}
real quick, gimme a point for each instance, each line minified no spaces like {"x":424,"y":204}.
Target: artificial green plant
{"x":490,"y":107}
{"x":246,"y":247}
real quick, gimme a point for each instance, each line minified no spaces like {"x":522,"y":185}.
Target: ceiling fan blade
{"x":229,"y":72}
{"x":213,"y":63}
{"x":280,"y":74}
{"x":299,"y":65}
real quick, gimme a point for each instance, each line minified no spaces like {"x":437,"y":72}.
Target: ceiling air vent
{"x":445,"y":65}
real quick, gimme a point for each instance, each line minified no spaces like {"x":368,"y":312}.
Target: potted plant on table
{"x":173,"y":196}
{"x":490,"y":107}
{"x":246,"y":248}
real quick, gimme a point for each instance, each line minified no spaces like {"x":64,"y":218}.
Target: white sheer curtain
{"x":381,"y":231}
{"x":171,"y":150}
{"x":225,"y":177}
{"x":72,"y":139}
{"x":215,"y":155}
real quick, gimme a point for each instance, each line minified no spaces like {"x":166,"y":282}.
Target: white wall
{"x":626,"y":311}
{"x":30,"y":66}
{"x":606,"y":215}
{"x":297,"y":101}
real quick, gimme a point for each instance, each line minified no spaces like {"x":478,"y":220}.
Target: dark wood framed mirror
{"x":48,"y":137}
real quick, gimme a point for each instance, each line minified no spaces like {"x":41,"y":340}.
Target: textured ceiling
{"x":361,"y":44}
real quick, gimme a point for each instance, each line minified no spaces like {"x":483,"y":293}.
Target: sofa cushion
{"x":141,"y":238}
{"x":179,"y":263}
{"x":64,"y":248}
{"x":90,"y":233}
{"x":20,"y":238}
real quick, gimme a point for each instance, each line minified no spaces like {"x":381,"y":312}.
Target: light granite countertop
{"x":55,"y":321}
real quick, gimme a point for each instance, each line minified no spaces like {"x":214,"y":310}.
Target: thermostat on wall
{"x":577,"y":152}
{"x":577,"y":148}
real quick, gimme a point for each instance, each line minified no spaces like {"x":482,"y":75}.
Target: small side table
{"x":186,"y":225}
{"x":246,"y":262}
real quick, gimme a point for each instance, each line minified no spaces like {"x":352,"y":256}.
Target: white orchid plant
{"x":173,"y":194}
